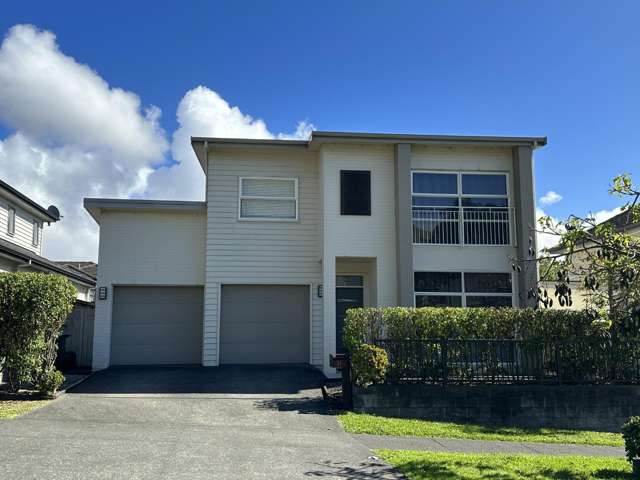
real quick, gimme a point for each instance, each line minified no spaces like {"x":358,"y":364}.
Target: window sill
{"x":269,"y":220}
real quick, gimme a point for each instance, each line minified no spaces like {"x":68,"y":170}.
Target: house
{"x":293,"y":233}
{"x":22,"y":224}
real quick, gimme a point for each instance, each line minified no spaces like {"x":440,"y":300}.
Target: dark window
{"x":435,"y":183}
{"x":473,"y":301}
{"x":487,"y":283}
{"x":355,"y":192}
{"x":437,"y":282}
{"x":484,"y":184}
{"x":438,"y":301}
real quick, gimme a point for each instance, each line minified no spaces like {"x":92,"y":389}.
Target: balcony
{"x":492,"y":226}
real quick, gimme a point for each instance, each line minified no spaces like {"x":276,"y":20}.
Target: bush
{"x":631,"y":435}
{"x":369,"y":364}
{"x":365,"y":325}
{"x":33,"y":309}
{"x":49,"y":382}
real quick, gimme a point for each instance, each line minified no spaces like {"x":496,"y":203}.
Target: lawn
{"x":374,"y":425}
{"x":15,"y":408}
{"x":452,"y":466}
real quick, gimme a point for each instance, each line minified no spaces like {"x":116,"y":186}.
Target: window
{"x":267,"y":198}
{"x":11,"y":221}
{"x":455,"y":207}
{"x":36,"y":233}
{"x":355,"y":192}
{"x":463,"y":289}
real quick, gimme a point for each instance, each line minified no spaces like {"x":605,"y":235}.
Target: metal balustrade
{"x":463,"y":225}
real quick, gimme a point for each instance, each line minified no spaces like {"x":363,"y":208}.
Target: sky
{"x":99,"y":99}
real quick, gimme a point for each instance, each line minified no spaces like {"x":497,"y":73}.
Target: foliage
{"x":376,"y":425}
{"x":49,"y":381}
{"x":33,"y":309}
{"x":418,"y":465}
{"x":631,"y":435}
{"x":369,"y":364}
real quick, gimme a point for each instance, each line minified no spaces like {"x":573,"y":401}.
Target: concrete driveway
{"x":187,"y":423}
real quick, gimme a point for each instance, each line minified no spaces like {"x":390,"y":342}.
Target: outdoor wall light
{"x":320,"y":291}
{"x":102,"y":293}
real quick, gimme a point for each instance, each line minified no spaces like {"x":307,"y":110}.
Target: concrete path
{"x":187,"y":423}
{"x":483,"y":446}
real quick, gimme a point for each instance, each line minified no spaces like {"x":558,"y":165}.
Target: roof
{"x":51,"y":214}
{"x":201,"y":144}
{"x":95,"y":206}
{"x":85,"y":267}
{"x":28,"y":256}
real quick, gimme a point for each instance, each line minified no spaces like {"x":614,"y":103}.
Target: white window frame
{"x":11,"y":220}
{"x":35,"y":234}
{"x":463,"y":293}
{"x":254,"y":197}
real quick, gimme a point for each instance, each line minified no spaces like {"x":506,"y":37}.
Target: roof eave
{"x":95,"y":206}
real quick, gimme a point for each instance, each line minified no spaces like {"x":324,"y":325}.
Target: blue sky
{"x":568,"y":70}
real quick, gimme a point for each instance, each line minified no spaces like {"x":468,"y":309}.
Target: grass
{"x":451,"y":466}
{"x":374,"y":425}
{"x":15,"y":408}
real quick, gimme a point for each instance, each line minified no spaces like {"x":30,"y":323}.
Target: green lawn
{"x":452,"y":466}
{"x":15,"y":408}
{"x":374,"y":425}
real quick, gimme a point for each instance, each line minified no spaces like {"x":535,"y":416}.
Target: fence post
{"x":444,"y":357}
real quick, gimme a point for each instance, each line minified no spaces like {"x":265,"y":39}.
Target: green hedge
{"x":364,"y":325}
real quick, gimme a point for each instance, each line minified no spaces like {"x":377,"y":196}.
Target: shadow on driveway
{"x":269,"y":380}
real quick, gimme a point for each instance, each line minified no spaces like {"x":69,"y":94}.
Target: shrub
{"x":49,"y":382}
{"x":33,"y":309}
{"x":369,"y":364}
{"x":631,"y":435}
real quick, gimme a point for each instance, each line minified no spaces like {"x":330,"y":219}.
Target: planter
{"x":635,"y":463}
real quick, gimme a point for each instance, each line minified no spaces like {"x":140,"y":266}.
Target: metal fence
{"x":512,"y":361}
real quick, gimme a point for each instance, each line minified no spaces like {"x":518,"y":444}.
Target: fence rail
{"x":512,"y":361}
{"x":463,"y":225}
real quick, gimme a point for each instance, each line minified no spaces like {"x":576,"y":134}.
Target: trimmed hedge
{"x":364,"y":325}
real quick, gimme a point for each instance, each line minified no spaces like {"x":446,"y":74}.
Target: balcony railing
{"x":463,"y":225}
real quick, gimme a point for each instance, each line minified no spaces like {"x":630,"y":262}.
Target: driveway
{"x":187,"y":423}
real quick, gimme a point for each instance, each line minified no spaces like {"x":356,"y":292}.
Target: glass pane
{"x":438,"y":301}
{"x":484,"y":202}
{"x":487,"y":282}
{"x":253,"y":208}
{"x":349,"y":281}
{"x":272,"y":187}
{"x":355,"y":192}
{"x":484,"y":184}
{"x":435,"y":183}
{"x":437,"y":282}
{"x":435,"y":201}
{"x":473,"y":301}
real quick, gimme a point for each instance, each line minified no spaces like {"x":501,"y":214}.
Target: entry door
{"x":349,"y":294}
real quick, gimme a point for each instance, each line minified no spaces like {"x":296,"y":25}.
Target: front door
{"x":349,"y":294}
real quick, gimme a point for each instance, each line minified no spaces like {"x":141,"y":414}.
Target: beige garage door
{"x":156,"y":325}
{"x":264,"y":324}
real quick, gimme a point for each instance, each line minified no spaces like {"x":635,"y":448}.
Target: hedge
{"x":365,"y":325}
{"x":33,"y":310}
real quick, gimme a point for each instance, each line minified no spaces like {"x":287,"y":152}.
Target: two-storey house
{"x":294,"y":233}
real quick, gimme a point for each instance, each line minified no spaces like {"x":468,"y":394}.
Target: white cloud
{"x":602,"y":215}
{"x":75,"y":137}
{"x":545,"y":239}
{"x":550,"y":198}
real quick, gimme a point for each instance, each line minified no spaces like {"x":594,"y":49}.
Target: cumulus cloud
{"x":545,"y":239}
{"x":76,"y":136}
{"x":550,"y":198}
{"x":602,"y":215}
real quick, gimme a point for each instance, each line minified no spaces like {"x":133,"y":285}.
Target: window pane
{"x":349,"y":281}
{"x":435,"y":183}
{"x":355,"y":192}
{"x":484,"y":184}
{"x":435,"y":201}
{"x":484,"y":202}
{"x":254,"y":208}
{"x":438,"y":301}
{"x":473,"y":301}
{"x":487,"y":282}
{"x":272,"y":187}
{"x":437,"y":282}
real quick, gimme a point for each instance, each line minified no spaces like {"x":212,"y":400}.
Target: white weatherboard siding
{"x":145,"y":248}
{"x":357,"y":236}
{"x":23,"y":234}
{"x":261,"y":252}
{"x":467,"y":258}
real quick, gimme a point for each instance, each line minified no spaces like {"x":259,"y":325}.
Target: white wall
{"x":357,"y":236}
{"x":145,"y":248}
{"x":23,"y":234}
{"x":261,"y":251}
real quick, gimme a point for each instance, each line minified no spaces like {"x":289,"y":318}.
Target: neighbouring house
{"x":294,"y":233}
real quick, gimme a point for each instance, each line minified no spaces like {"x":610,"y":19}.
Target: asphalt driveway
{"x":187,"y":423}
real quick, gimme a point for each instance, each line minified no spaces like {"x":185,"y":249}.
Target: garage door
{"x":264,"y":324}
{"x":156,"y":325}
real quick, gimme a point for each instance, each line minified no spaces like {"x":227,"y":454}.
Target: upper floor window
{"x":463,"y":289}
{"x":11,"y":221}
{"x":471,"y":208}
{"x":36,"y":233}
{"x":355,"y":192}
{"x":268,"y":198}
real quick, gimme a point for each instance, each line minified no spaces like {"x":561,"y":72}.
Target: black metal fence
{"x":512,"y":361}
